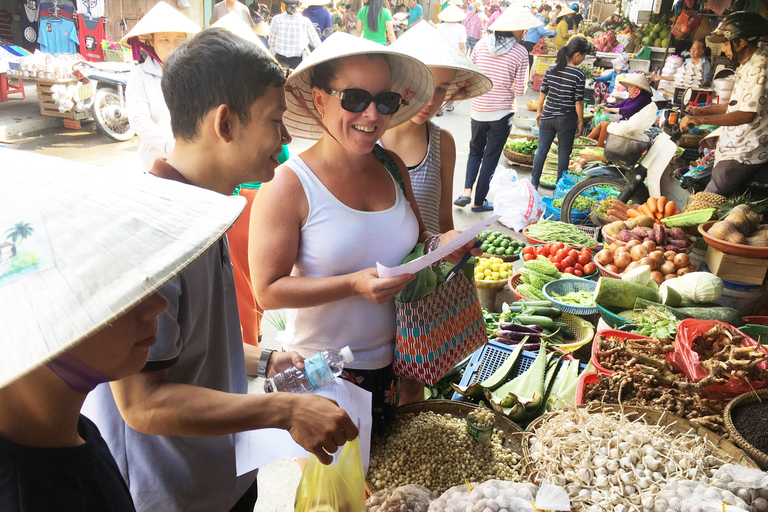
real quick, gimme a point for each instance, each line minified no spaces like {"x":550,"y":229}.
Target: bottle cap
{"x":346,"y":353}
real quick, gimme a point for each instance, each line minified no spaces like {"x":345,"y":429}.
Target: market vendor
{"x":536,"y":34}
{"x":562,"y":36}
{"x":605,"y":83}
{"x":698,"y":60}
{"x":158,"y":34}
{"x":639,"y":95}
{"x":74,"y":322}
{"x":742,"y":149}
{"x":335,"y":210}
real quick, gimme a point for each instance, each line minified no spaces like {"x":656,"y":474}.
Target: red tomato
{"x":541,"y":251}
{"x":559,"y":245}
{"x":587,"y":251}
{"x":583,"y":259}
{"x":569,"y":270}
{"x":557,"y":259}
{"x":569,"y":262}
{"x":573,"y":253}
{"x":578,"y":266}
{"x":589,"y":268}
{"x":558,"y":266}
{"x":527,"y":249}
{"x":562,"y":253}
{"x":579,"y":273}
{"x":552,"y":249}
{"x":528,"y":257}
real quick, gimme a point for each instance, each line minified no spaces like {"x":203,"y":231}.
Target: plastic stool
{"x":6,"y":88}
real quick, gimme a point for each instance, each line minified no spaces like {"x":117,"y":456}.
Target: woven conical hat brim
{"x":410,"y":78}
{"x":424,"y":42}
{"x":515,"y":18}
{"x":103,"y":241}
{"x":637,"y":79}
{"x":261,"y":29}
{"x":565,"y":11}
{"x":161,"y":18}
{"x":235,"y":24}
{"x":452,"y":14}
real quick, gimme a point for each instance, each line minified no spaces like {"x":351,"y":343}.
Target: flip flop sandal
{"x":487,"y":206}
{"x":462,"y":201}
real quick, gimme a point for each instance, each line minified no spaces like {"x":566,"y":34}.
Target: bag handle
{"x":389,"y":164}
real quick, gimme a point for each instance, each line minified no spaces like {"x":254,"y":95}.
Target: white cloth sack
{"x":515,"y":200}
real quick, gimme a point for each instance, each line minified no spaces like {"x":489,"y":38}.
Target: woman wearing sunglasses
{"x":332,"y":212}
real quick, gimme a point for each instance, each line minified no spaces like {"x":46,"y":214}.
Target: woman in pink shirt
{"x":474,"y":25}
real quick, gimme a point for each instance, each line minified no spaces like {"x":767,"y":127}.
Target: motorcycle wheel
{"x":597,"y":189}
{"x":110,"y":116}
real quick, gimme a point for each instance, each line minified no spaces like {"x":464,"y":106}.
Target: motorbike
{"x":102,"y":89}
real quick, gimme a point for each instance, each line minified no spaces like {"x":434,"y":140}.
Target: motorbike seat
{"x":760,"y":180}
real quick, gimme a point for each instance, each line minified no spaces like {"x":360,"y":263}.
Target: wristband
{"x":263,"y":361}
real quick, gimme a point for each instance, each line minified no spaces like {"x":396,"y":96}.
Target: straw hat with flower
{"x":424,"y":42}
{"x":84,"y":244}
{"x":638,"y":80}
{"x":514,"y":19}
{"x":411,"y":78}
{"x":161,"y":18}
{"x":452,"y":14}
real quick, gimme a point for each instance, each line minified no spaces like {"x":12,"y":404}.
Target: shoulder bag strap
{"x":389,"y":164}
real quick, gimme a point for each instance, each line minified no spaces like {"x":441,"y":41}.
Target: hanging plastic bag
{"x":335,"y":487}
{"x":515,"y":200}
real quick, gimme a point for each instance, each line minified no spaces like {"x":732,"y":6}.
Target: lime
{"x":510,"y":251}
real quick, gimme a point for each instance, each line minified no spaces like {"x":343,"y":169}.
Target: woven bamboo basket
{"x":719,"y":446}
{"x":692,"y":141}
{"x":518,"y":158}
{"x":760,"y":457}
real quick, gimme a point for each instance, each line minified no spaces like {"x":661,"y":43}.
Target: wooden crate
{"x":48,"y":107}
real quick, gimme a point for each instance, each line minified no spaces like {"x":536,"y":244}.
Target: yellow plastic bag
{"x":336,"y":487}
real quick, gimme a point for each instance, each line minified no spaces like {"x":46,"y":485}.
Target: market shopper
{"x":561,"y":22}
{"x":742,"y":149}
{"x":225,"y":7}
{"x":291,"y":35}
{"x":375,"y":23}
{"x":415,"y":13}
{"x":502,"y":58}
{"x":170,"y":427}
{"x":561,"y":107}
{"x":536,"y":34}
{"x":74,"y":322}
{"x":319,"y":16}
{"x":335,"y":210}
{"x":496,"y":12}
{"x":639,"y":95}
{"x":473,"y":23}
{"x":157,"y":34}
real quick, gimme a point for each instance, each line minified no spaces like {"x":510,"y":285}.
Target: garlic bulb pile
{"x":607,"y":462}
{"x":493,"y":495}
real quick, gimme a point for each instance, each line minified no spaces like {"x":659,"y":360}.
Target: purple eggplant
{"x":527,"y":346}
{"x":514,"y":335}
{"x":530,"y":329}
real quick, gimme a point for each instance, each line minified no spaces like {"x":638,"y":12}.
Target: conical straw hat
{"x":235,"y":24}
{"x":161,"y":18}
{"x":424,"y":42}
{"x":410,"y":78}
{"x":515,"y":18}
{"x":452,"y":14}
{"x":84,"y":244}
{"x":565,"y":12}
{"x":261,"y":29}
{"x":637,"y":79}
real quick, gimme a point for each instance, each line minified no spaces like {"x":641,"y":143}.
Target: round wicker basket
{"x":518,"y":158}
{"x":605,"y":272}
{"x":721,"y":448}
{"x":760,"y":457}
{"x":692,"y":141}
{"x":516,"y":280}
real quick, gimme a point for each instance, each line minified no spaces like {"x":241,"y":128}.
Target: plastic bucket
{"x":745,"y":298}
{"x":697,"y":256}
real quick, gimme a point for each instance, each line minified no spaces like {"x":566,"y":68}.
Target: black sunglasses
{"x":357,"y":100}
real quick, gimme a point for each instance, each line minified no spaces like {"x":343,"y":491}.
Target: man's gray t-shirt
{"x":199,"y":342}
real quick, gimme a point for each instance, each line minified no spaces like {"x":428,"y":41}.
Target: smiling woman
{"x":334,"y":211}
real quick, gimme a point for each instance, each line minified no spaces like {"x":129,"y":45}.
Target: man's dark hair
{"x":215,"y":68}
{"x":545,"y":8}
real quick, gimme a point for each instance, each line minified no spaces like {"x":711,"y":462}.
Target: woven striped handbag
{"x":437,"y":332}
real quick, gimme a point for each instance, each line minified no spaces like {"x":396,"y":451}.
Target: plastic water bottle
{"x":319,"y":369}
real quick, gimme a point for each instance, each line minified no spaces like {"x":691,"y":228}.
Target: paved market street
{"x":278,"y":481}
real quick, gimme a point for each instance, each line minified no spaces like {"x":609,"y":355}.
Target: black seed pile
{"x":751,"y":420}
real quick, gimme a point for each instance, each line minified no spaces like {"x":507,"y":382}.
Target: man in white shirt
{"x":742,"y":150}
{"x":224,"y":7}
{"x":290,"y":34}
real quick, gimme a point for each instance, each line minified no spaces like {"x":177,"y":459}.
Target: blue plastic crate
{"x":488,"y":358}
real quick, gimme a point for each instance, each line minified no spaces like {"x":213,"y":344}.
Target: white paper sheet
{"x":257,"y":448}
{"x":414,"y":266}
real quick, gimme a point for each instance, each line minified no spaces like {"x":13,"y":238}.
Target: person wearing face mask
{"x":71,"y":322}
{"x":290,"y":35}
{"x":158,"y":33}
{"x":742,"y":149}
{"x":496,"y":13}
{"x":335,"y":210}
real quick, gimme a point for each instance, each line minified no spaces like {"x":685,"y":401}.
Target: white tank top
{"x":338,"y":240}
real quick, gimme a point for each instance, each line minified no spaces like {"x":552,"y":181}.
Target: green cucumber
{"x":543,"y":321}
{"x":622,"y":294}
{"x":670,"y":296}
{"x":532,"y":304}
{"x":568,"y":334}
{"x":722,"y":313}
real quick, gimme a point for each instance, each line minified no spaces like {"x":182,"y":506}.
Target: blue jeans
{"x":564,"y":127}
{"x":485,"y":147}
